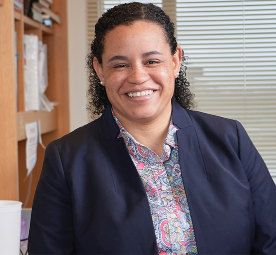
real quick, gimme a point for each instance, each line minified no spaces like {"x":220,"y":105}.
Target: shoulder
{"x":92,"y":130}
{"x":217,"y":126}
{"x":208,"y":128}
{"x":87,"y":135}
{"x":202,"y":121}
{"x":216,"y":131}
{"x":212,"y":122}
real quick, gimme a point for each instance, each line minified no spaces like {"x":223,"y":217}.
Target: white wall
{"x":77,"y":51}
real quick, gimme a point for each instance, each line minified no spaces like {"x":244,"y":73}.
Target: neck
{"x":149,"y":133}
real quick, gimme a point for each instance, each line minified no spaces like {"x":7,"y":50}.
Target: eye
{"x":120,"y":66}
{"x":152,"y":62}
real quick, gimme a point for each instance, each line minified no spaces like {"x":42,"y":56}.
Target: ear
{"x":99,"y":69}
{"x":177,"y":59}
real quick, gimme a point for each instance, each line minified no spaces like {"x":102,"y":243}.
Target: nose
{"x":138,"y":75}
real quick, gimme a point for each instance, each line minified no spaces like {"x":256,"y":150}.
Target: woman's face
{"x":138,"y":71}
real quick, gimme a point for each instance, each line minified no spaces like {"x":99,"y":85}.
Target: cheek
{"x":114,"y":80}
{"x":168,"y":81}
{"x":164,"y":77}
{"x":113,"y":84}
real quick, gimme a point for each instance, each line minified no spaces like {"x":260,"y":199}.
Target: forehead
{"x":139,"y":32}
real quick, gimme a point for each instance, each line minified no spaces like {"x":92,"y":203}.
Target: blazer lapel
{"x":129,"y":189}
{"x":119,"y":161}
{"x":193,"y":173}
{"x":194,"y":178}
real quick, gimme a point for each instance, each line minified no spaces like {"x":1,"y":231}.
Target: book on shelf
{"x":36,"y":74}
{"x":48,"y":11}
{"x":41,"y":6}
{"x":29,"y":4}
{"x":36,"y":16}
{"x":37,"y":8}
{"x":49,"y":1}
{"x":43,"y":3}
{"x":27,"y":7}
{"x":18,"y":4}
{"x":45,"y":104}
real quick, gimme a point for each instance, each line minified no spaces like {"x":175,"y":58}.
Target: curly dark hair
{"x":126,"y":14}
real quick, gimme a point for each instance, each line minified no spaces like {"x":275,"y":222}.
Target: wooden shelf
{"x":33,"y":24}
{"x":17,"y":15}
{"x":47,"y":120}
{"x":30,"y":23}
{"x":47,"y":30}
{"x":54,"y":124}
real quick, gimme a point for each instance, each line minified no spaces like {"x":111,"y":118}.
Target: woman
{"x":150,"y":176}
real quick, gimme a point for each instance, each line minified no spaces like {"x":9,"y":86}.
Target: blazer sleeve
{"x":51,"y":229}
{"x":263,"y":192}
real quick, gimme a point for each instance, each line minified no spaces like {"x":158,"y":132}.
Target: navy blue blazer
{"x":90,"y":199}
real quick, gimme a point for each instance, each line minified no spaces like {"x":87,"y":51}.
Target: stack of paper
{"x":36,"y":74}
{"x":31,"y":72}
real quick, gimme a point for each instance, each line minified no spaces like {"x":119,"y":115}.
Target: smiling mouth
{"x":140,"y":93}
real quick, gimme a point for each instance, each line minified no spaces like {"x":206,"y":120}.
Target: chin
{"x":141,"y":115}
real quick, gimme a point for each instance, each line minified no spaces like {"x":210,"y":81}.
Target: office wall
{"x":76,"y":10}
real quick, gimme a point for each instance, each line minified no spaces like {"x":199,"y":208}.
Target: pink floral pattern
{"x":161,"y":177}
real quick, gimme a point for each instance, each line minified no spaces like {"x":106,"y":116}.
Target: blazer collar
{"x":110,"y":127}
{"x":180,"y":116}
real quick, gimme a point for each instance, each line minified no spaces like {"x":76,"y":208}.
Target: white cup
{"x":10,"y":227}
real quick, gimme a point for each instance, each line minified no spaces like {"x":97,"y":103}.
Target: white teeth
{"x":139,"y":94}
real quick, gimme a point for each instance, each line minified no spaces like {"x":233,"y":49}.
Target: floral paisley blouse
{"x":161,"y":177}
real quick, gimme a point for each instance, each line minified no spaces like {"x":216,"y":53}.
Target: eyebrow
{"x":154,"y":52}
{"x":118,"y":57}
{"x":121,"y":57}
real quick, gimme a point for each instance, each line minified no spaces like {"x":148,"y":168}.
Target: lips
{"x":140,"y":93}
